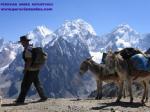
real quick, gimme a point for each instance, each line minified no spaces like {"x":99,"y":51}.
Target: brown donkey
{"x":116,"y":64}
{"x":100,"y":73}
{"x":127,"y":73}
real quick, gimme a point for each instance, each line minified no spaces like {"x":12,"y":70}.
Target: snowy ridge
{"x":70,"y":28}
{"x":40,"y":36}
{"x":3,"y":68}
{"x":8,"y":53}
{"x":97,"y":56}
{"x":125,"y":32}
{"x":78,"y":30}
{"x":121,"y":37}
{"x":144,"y":41}
{"x":43,"y":31}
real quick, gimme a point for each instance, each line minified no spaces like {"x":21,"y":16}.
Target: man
{"x":30,"y":73}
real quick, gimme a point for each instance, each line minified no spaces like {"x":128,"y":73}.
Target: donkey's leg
{"x":129,"y":83}
{"x":120,"y":85}
{"x":99,"y":89}
{"x":144,"y":94}
{"x":124,"y":90}
{"x":147,"y":86}
{"x":127,"y":73}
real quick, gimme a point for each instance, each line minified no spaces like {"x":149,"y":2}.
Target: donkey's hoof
{"x":98,"y":97}
{"x":146,"y":100}
{"x":142,"y":101}
{"x":131,"y":100}
{"x":117,"y":101}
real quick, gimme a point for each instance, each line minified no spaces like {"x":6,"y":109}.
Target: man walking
{"x":30,"y":73}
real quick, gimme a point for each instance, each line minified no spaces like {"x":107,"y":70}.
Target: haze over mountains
{"x":67,"y":47}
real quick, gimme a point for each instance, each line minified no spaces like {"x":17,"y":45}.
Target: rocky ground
{"x":76,"y":105}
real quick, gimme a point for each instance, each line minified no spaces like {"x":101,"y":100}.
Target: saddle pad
{"x":140,"y":62}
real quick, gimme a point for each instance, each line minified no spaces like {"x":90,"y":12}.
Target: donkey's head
{"x":85,"y":66}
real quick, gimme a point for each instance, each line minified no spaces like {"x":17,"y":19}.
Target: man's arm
{"x":28,"y":63}
{"x":28,"y":58}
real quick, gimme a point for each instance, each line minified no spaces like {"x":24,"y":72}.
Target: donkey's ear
{"x":110,"y":52}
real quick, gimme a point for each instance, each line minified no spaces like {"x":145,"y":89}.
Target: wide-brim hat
{"x":24,"y":38}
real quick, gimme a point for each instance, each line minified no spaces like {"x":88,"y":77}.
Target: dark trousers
{"x":29,"y":78}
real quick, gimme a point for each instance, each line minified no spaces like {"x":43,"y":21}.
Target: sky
{"x":103,"y":15}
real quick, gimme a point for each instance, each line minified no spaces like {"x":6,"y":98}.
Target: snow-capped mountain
{"x":125,"y":32}
{"x":78,"y":30}
{"x":144,"y":42}
{"x":40,"y":36}
{"x":67,"y":47}
{"x":121,"y":37}
{"x":1,"y":43}
{"x":62,"y":68}
{"x":8,"y":53}
{"x":79,"y":26}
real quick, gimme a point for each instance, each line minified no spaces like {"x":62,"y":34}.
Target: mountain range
{"x":67,"y":47}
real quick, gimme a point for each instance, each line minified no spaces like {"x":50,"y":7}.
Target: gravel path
{"x":76,"y":105}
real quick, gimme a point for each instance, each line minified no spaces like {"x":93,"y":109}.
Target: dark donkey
{"x":126,"y":72}
{"x":100,"y":73}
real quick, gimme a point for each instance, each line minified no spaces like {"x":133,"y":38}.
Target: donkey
{"x":140,"y":76}
{"x":126,"y":72}
{"x":116,"y":64}
{"x":143,"y":77}
{"x":100,"y":73}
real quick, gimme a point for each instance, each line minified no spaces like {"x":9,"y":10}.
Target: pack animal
{"x":100,"y":73}
{"x":127,"y":73}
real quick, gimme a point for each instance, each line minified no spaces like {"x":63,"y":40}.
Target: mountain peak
{"x":124,"y":25}
{"x":40,"y":36}
{"x":121,"y":37}
{"x":69,"y":28}
{"x":85,"y":25}
{"x":124,"y":28}
{"x":43,"y":30}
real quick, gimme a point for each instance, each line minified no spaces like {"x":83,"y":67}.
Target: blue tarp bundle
{"x":140,"y":62}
